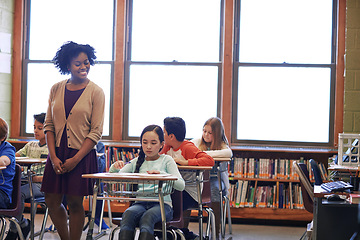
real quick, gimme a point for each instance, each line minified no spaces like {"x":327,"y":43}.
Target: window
{"x":50,"y":24}
{"x":172,"y":64}
{"x":284,"y":72}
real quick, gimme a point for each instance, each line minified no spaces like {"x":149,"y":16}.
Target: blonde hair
{"x":218,"y":133}
{"x":4,"y":128}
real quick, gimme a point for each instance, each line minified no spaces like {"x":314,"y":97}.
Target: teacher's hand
{"x":57,"y":165}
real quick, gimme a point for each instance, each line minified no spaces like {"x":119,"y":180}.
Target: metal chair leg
{"x":3,"y":226}
{"x":227,"y":209}
{"x":112,"y":232}
{"x":43,"y":226}
{"x":210,"y":224}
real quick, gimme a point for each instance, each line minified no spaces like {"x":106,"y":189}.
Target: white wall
{"x":6,"y":28}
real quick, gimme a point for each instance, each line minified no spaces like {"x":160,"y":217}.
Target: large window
{"x":172,"y":64}
{"x":50,"y":24}
{"x":284,"y":72}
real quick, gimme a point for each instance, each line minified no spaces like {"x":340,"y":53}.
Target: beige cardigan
{"x":85,"y":120}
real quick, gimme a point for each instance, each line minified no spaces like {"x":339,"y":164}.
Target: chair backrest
{"x":15,"y":208}
{"x":316,"y":170}
{"x":206,"y":193}
{"x":307,"y":190}
{"x":177,"y":202}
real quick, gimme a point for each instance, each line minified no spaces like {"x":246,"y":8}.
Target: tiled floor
{"x":240,"y":231}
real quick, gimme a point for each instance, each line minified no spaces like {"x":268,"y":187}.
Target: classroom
{"x":283,"y":76}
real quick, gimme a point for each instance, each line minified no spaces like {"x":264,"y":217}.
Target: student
{"x":215,"y":143}
{"x":33,"y":149}
{"x":7,"y":159}
{"x":73,"y":126}
{"x":146,"y":214}
{"x":185,"y":153}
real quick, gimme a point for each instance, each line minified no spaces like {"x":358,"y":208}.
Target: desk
{"x":199,"y":180}
{"x":2,"y":167}
{"x":226,"y":205}
{"x":333,"y":220}
{"x":125,"y":191}
{"x":28,"y":162}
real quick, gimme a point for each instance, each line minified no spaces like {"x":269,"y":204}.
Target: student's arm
{"x":23,"y":151}
{"x":119,"y":166}
{"x":195,"y":157}
{"x":225,"y":152}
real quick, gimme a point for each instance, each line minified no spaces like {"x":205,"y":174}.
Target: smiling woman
{"x":71,"y":137}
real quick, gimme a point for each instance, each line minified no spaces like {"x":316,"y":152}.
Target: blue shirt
{"x":7,"y":175}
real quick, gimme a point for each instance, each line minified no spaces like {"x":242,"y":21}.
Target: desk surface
{"x":130,"y":176}
{"x":342,"y":168}
{"x":180,"y":167}
{"x":222,"y":159}
{"x":29,"y":161}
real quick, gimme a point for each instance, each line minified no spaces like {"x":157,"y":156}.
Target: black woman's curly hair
{"x":68,"y":51}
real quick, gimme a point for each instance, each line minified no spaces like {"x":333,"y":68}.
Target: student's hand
{"x":153,"y":172}
{"x":57,"y":165}
{"x":181,"y":162}
{"x":119,"y":164}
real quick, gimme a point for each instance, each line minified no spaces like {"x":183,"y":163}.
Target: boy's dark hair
{"x":68,"y":51}
{"x":176,"y":126}
{"x":4,"y":128}
{"x":40,"y":117}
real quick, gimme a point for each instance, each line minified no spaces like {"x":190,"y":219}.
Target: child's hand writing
{"x":153,"y":172}
{"x":119,"y":164}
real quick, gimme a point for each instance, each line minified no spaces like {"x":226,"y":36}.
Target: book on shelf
{"x":270,"y":168}
{"x":114,"y":154}
{"x":243,"y":193}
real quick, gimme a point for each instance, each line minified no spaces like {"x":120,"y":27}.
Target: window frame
{"x":128,"y":62}
{"x":27,"y":61}
{"x":333,"y":69}
{"x":226,"y":101}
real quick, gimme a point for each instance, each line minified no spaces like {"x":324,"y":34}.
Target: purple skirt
{"x":70,"y":183}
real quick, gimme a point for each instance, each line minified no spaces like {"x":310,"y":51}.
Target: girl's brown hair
{"x":218,"y":133}
{"x":3,"y":129}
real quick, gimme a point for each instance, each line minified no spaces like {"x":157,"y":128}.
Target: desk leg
{"x":198,"y":180}
{"x":32,"y":204}
{"x":93,"y":210}
{"x":162,"y":209}
{"x":222,"y":212}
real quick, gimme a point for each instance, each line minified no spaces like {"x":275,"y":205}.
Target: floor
{"x":240,"y":230}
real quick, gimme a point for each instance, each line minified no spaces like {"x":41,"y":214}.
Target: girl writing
{"x":215,"y":143}
{"x":147,"y":214}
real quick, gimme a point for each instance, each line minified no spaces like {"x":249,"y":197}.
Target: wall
{"x":6,"y":27}
{"x":352,"y":68}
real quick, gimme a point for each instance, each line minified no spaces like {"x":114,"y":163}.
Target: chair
{"x":206,"y":201}
{"x":307,"y":192}
{"x":15,"y":208}
{"x":173,"y":225}
{"x":316,"y":170}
